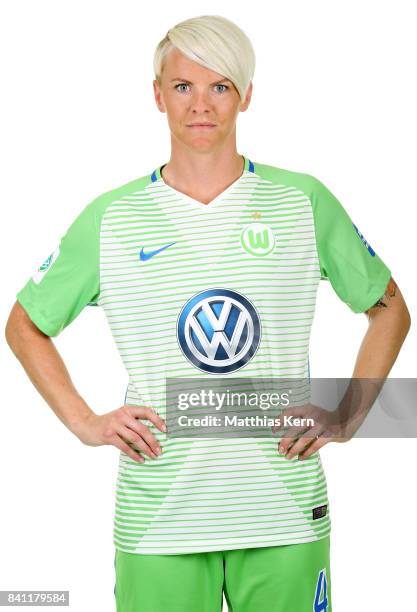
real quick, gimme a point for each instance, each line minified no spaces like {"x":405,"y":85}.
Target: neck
{"x":202,"y":174}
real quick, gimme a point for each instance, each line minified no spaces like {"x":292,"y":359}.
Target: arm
{"x":389,"y":323}
{"x":48,"y":373}
{"x":45,"y":368}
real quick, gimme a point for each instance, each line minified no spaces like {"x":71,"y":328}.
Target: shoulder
{"x":102,"y":201}
{"x":304,"y":182}
{"x":91,"y":215}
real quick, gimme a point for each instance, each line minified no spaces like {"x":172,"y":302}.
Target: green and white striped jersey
{"x":147,"y":253}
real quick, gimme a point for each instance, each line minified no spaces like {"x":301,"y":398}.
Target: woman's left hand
{"x":304,"y":440}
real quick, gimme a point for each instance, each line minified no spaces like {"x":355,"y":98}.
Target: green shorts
{"x":292,"y":577}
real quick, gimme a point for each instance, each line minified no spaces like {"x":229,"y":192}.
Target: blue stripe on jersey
{"x":251,"y":169}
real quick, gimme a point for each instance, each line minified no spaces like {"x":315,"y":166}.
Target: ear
{"x":244,"y":105}
{"x":158,"y":96}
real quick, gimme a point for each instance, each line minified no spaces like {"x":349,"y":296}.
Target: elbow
{"x":17,"y":329}
{"x":11,"y":330}
{"x":407,"y":321}
{"x":403,"y":322}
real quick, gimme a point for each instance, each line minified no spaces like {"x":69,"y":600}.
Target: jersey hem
{"x":34,"y":316}
{"x":377,"y":294}
{"x":203,"y":549}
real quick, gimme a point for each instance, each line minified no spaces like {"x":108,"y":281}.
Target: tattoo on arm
{"x":389,"y":293}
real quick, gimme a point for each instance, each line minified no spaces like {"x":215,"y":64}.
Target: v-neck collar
{"x":157,"y":176}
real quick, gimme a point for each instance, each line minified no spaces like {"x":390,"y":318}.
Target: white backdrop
{"x":334,"y":96}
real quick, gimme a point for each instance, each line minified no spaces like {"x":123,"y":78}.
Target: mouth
{"x":201,"y":126}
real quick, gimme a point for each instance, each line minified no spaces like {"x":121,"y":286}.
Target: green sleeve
{"x":357,"y":274}
{"x":68,"y":279}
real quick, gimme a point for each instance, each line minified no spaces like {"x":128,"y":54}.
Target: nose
{"x":200,"y":101}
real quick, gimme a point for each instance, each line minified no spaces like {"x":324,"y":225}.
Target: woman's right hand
{"x":121,"y":428}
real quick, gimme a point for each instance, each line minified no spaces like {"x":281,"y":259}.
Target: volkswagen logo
{"x":219,"y":331}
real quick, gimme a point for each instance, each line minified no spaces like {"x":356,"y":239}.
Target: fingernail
{"x":164,"y":427}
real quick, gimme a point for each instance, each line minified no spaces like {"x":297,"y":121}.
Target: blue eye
{"x":186,"y":85}
{"x":180,"y":85}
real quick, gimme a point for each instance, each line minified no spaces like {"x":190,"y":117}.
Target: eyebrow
{"x":215,"y":83}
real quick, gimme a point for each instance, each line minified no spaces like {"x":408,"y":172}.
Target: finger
{"x":144,"y":432}
{"x":294,"y":431}
{"x":325,"y":436}
{"x":309,"y":435}
{"x":146,"y":412}
{"x":128,"y":434}
{"x":120,"y":444}
{"x":290,"y":438}
{"x":313,"y":448}
{"x":302,"y":442}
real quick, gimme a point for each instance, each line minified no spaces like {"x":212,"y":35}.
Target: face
{"x":191,"y":94}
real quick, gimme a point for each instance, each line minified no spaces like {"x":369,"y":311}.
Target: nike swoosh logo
{"x":144,"y":256}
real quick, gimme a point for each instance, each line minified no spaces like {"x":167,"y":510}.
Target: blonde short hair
{"x":214,"y":42}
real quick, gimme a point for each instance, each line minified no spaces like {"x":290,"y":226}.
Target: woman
{"x":207,"y":268}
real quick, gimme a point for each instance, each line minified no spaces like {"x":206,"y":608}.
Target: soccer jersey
{"x":193,"y":290}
